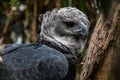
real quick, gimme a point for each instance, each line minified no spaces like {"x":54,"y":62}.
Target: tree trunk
{"x":34,"y":22}
{"x":103,"y":56}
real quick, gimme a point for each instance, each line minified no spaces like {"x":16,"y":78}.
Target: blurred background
{"x":19,"y":18}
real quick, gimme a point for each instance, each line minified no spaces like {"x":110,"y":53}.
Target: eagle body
{"x":32,"y":62}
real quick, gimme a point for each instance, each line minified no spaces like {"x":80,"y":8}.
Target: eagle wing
{"x":32,"y":62}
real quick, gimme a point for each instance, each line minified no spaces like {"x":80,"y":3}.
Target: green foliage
{"x":82,"y":5}
{"x":14,"y":3}
{"x":70,"y":2}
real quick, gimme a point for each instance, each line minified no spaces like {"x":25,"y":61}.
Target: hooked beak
{"x":82,"y":31}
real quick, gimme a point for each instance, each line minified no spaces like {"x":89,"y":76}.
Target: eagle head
{"x":68,"y":26}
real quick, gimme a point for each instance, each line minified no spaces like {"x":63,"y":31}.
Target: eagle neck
{"x":59,"y":47}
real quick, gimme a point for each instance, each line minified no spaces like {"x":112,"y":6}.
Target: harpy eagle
{"x":63,"y":35}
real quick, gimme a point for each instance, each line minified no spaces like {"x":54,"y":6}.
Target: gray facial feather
{"x":59,"y":20}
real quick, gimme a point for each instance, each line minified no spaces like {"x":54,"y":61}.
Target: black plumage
{"x":32,"y":62}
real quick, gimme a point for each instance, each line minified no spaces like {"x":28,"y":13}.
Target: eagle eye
{"x":69,"y":24}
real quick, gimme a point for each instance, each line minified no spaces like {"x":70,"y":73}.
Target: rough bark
{"x":34,"y":23}
{"x":5,"y":34}
{"x":102,"y":61}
